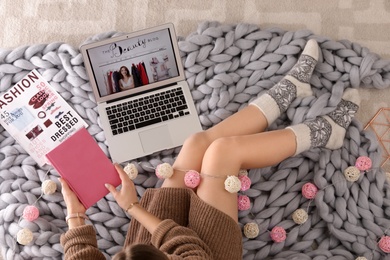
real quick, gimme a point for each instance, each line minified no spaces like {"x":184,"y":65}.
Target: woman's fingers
{"x":72,"y":202}
{"x":66,"y":190}
{"x":64,"y":185}
{"x":122,"y":174}
{"x":126,"y":182}
{"x":111,"y":188}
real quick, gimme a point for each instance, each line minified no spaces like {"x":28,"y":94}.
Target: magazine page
{"x":37,"y":116}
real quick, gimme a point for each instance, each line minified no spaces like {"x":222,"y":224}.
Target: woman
{"x":126,"y":79}
{"x":175,"y":222}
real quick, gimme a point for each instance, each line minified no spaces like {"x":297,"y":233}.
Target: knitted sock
{"x":295,"y":84}
{"x":328,"y":131}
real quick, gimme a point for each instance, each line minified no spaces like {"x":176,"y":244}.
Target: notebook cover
{"x":82,"y":163}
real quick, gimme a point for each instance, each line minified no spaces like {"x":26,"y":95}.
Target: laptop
{"x":145,"y":104}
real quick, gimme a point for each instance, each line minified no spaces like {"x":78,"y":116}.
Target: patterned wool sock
{"x":328,"y":131}
{"x":295,"y":84}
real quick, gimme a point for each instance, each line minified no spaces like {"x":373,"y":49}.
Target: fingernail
{"x":107,"y":185}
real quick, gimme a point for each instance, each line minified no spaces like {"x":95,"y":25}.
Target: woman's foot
{"x":295,"y":84}
{"x":328,"y":131}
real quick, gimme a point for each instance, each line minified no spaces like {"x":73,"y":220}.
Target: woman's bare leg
{"x":247,"y":121}
{"x":226,"y":156}
{"x":253,"y":119}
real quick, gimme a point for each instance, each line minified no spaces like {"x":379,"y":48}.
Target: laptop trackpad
{"x":156,"y":139}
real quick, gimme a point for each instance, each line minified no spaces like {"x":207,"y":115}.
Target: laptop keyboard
{"x":146,"y":111}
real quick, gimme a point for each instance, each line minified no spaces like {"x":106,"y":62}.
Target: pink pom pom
{"x":192,"y":179}
{"x":363,"y":163}
{"x":245,"y":182}
{"x":30,"y":213}
{"x":278,"y":234}
{"x":309,"y":190}
{"x":384,"y":244}
{"x":244,"y":202}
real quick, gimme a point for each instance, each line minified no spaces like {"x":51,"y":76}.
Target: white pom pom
{"x":251,"y":230}
{"x":48,"y":187}
{"x":24,"y":236}
{"x":232,"y":184}
{"x":242,"y":172}
{"x":164,"y":171}
{"x":131,"y":170}
{"x":300,"y":216}
{"x":352,"y":173}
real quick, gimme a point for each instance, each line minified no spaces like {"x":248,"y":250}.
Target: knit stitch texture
{"x":226,"y":66}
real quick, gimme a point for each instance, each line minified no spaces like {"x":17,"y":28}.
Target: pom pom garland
{"x":164,"y":171}
{"x":30,"y":213}
{"x":278,"y":234}
{"x":131,"y":170}
{"x":251,"y":230}
{"x":384,"y":244}
{"x":24,"y":236}
{"x":363,"y":163}
{"x":352,"y":173}
{"x":245,"y":182}
{"x":232,"y":184}
{"x":192,"y":179}
{"x":48,"y":187}
{"x":309,"y":190}
{"x":300,"y":216}
{"x":244,"y":202}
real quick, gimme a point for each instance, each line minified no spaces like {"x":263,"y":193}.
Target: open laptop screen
{"x":130,"y":65}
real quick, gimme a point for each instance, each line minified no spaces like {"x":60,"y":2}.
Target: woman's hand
{"x":127,"y":194}
{"x":72,"y":202}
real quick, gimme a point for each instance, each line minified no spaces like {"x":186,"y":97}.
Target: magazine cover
{"x":37,"y":116}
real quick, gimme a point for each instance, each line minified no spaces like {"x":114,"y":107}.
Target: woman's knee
{"x":226,"y":146}
{"x":222,"y":154}
{"x":199,"y":139}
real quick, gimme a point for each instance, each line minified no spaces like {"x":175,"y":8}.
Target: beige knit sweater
{"x":191,"y":229}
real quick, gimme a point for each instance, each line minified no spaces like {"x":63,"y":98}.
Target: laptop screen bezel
{"x":89,"y":69}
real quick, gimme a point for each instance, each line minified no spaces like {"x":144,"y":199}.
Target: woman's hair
{"x":127,"y":71}
{"x":140,"y":252}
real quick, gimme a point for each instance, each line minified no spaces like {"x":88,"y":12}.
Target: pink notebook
{"x":82,"y":163}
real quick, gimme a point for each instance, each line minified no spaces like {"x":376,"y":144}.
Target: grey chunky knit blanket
{"x":226,"y":67}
